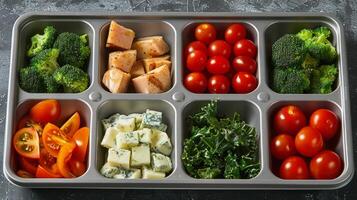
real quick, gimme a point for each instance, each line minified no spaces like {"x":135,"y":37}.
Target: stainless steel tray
{"x":256,"y":107}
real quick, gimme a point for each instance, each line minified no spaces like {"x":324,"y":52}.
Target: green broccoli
{"x":290,"y":80}
{"x":42,"y":42}
{"x":45,"y":62}
{"x":288,"y":51}
{"x":51,"y":85}
{"x":74,"y":49}
{"x":72,"y":78}
{"x":323,"y":78}
{"x":31,"y":81}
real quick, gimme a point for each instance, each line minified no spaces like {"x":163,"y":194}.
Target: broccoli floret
{"x":31,"y":81}
{"x":51,"y":85}
{"x":45,"y":62}
{"x":310,"y":62}
{"x":305,"y":34}
{"x":323,"y":78}
{"x":290,"y":80}
{"x":72,"y":78}
{"x":42,"y":42}
{"x":288,"y":51}
{"x":74,"y":49}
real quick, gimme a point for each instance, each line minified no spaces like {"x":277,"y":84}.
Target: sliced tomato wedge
{"x":26,"y":121}
{"x":42,"y":172}
{"x":71,"y":125}
{"x":53,"y":139}
{"x":26,"y":143}
{"x":29,"y":165}
{"x":64,"y":155}
{"x":77,"y":167}
{"x":81,"y":138}
{"x":24,"y":174}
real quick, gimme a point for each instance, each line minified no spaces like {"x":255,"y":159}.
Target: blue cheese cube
{"x":138,"y":119}
{"x":151,"y":119}
{"x":162,"y":127}
{"x":140,"y":155}
{"x":161,"y":142}
{"x":108,"y":140}
{"x":125,"y":123}
{"x":111,"y":121}
{"x":127,"y":140}
{"x":119,"y":158}
{"x":151,"y":174}
{"x":144,"y":135}
{"x":108,"y":170}
{"x":160,"y":163}
{"x":128,"y":174}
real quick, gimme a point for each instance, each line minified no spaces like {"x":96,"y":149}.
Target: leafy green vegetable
{"x":220,"y":147}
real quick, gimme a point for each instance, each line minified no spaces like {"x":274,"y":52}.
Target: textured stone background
{"x":11,"y":9}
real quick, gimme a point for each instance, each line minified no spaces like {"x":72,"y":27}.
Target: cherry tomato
{"x":196,"y":61}
{"x":308,"y":141}
{"x":71,"y":125}
{"x":24,"y":122}
{"x":282,"y":146}
{"x":196,"y":82}
{"x":24,"y":174}
{"x":219,"y":48}
{"x":26,"y":143}
{"x":244,"y":82}
{"x":81,"y":138}
{"x":29,"y":165}
{"x":245,"y":64}
{"x":47,"y":160}
{"x":196,"y":46}
{"x":294,"y":167}
{"x":44,"y":173}
{"x":53,"y":139}
{"x":234,"y":33}
{"x":326,"y":165}
{"x":46,"y":111}
{"x":245,"y":47}
{"x":64,"y":155}
{"x":289,"y":119}
{"x":218,"y":65}
{"x":77,"y":167}
{"x":326,"y":122}
{"x":218,"y":84}
{"x":205,"y":33}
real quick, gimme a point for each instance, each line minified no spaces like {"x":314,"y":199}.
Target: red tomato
{"x":27,"y":143}
{"x":77,"y":167}
{"x":245,"y":64}
{"x":29,"y":165}
{"x":64,"y":155}
{"x":326,"y":165}
{"x":244,"y":82}
{"x":71,"y":125}
{"x":326,"y":122}
{"x":219,"y":48}
{"x":196,"y":82}
{"x":196,"y":46}
{"x":218,"y":84}
{"x":81,"y":138}
{"x":289,"y":119}
{"x":24,"y":174}
{"x":294,"y":167}
{"x":196,"y":61}
{"x":25,"y":121}
{"x":46,"y":111}
{"x":282,"y":146}
{"x":45,"y":173}
{"x":47,"y":160}
{"x":308,"y":141}
{"x":245,"y":47}
{"x":218,"y":65}
{"x":234,"y":33}
{"x":53,"y":139}
{"x":205,"y":33}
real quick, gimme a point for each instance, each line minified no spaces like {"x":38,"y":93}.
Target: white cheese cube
{"x":134,"y":174}
{"x":140,"y":155}
{"x":150,"y":174}
{"x":126,"y":123}
{"x":145,"y":135}
{"x":160,"y":163}
{"x":138,"y":119}
{"x":119,"y":157}
{"x":108,"y":170}
{"x":127,"y":140}
{"x":120,"y":175}
{"x":151,"y":119}
{"x":162,"y":127}
{"x":111,"y":121}
{"x":161,"y":142}
{"x":109,"y":137}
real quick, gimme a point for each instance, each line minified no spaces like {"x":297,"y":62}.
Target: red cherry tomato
{"x":196,"y":46}
{"x":196,"y":82}
{"x":326,"y":165}
{"x":218,"y":65}
{"x":326,"y":122}
{"x":244,"y":82}
{"x":294,"y":167}
{"x":308,"y":141}
{"x":234,"y":33}
{"x":245,"y":47}
{"x":196,"y":61}
{"x":218,"y":84}
{"x":205,"y":33}
{"x":46,"y":111}
{"x":219,"y":48}
{"x":289,"y":119}
{"x":282,"y":146}
{"x":245,"y":64}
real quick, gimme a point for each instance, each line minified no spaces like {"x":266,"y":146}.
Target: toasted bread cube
{"x":153,"y":63}
{"x":137,"y":69}
{"x":122,"y":60}
{"x":119,"y":37}
{"x":149,"y":47}
{"x":156,"y":81}
{"x":116,"y":80}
